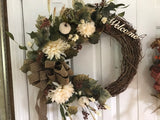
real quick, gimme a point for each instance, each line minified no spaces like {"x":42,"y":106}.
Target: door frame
{"x":6,"y":63}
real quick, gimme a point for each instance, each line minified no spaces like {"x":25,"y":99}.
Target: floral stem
{"x":68,"y":112}
{"x":92,"y":114}
{"x":91,"y":108}
{"x":49,"y":7}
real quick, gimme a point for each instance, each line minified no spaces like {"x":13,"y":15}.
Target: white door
{"x":101,"y":61}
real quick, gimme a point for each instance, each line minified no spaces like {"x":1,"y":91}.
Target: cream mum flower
{"x":61,"y":94}
{"x":86,"y":29}
{"x":83,"y":101}
{"x":64,"y":28}
{"x":55,"y":49}
{"x":104,"y":20}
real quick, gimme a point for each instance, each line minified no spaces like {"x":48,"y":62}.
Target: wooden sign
{"x":117,"y":24}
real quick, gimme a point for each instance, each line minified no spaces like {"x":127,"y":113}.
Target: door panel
{"x":101,"y":61}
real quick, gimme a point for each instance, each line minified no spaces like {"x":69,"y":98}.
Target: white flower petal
{"x":86,"y":29}
{"x":55,"y":49}
{"x":61,"y":94}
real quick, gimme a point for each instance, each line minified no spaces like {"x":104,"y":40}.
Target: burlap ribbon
{"x":41,"y":106}
{"x":41,"y":75}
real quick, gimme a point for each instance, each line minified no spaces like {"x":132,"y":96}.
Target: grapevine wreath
{"x":59,"y":38}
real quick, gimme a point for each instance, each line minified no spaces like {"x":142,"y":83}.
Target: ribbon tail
{"x":41,"y":108}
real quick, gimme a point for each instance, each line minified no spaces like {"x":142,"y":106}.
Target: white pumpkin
{"x":64,"y":28}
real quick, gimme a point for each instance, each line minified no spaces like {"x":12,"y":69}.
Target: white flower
{"x":86,"y":29}
{"x":75,"y":38}
{"x":70,"y":36}
{"x":82,"y":21}
{"x":83,"y":101}
{"x":61,"y":94}
{"x":64,"y":28}
{"x":80,"y":92}
{"x":92,"y":99}
{"x":104,"y":20}
{"x":55,"y":49}
{"x":29,"y":44}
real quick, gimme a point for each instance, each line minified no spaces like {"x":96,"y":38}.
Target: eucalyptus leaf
{"x":32,"y":55}
{"x":121,"y":14}
{"x":78,"y":5}
{"x":10,"y":35}
{"x":22,"y":47}
{"x":95,"y":16}
{"x":70,"y":53}
{"x":77,"y":1}
{"x":71,"y":99}
{"x":104,"y":95}
{"x":119,"y":5}
{"x":94,"y":38}
{"x":112,"y":7}
{"x":33,"y":34}
{"x":90,"y":5}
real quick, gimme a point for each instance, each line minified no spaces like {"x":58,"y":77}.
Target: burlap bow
{"x":40,"y":76}
{"x":52,"y":71}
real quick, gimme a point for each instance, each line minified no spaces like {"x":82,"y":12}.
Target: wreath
{"x":155,"y":69}
{"x":59,"y":38}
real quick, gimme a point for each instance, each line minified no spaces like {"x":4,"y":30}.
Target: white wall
{"x":100,"y":61}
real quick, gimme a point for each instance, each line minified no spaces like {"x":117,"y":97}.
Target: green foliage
{"x":113,"y":6}
{"x":10,"y":35}
{"x":54,"y":30}
{"x":40,"y":37}
{"x":90,"y":88}
{"x":95,"y":16}
{"x":78,"y":5}
{"x":84,"y":15}
{"x":81,"y":40}
{"x":106,"y":11}
{"x":94,"y":38}
{"x":22,"y":47}
{"x":72,"y":110}
{"x":69,"y":15}
{"x":90,"y":5}
{"x":71,"y":53}
{"x":33,"y":34}
{"x":103,"y":95}
{"x":121,"y":14}
{"x":32,"y":55}
{"x":71,"y":99}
